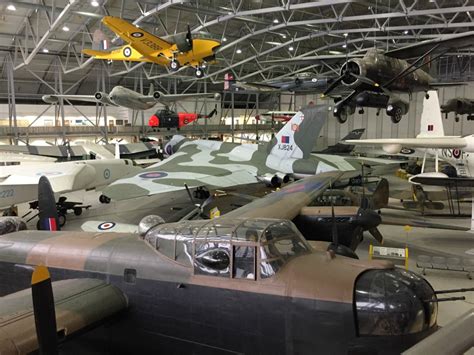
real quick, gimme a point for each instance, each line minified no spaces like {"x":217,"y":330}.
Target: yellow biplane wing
{"x":144,"y":42}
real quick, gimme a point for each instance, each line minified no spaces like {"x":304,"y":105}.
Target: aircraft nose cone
{"x":368,"y":218}
{"x":393,"y":302}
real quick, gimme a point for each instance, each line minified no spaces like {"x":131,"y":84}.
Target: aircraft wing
{"x":443,"y":43}
{"x":256,"y":87}
{"x":79,"y":305}
{"x":443,"y":181}
{"x":104,"y":98}
{"x":104,"y":226}
{"x":424,"y":142}
{"x":287,"y":202}
{"x":143,"y":41}
{"x":313,"y":59}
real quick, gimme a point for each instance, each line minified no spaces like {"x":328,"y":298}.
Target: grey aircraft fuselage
{"x":458,"y":105}
{"x":122,"y":96}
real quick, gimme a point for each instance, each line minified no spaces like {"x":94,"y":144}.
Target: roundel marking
{"x":106,"y":225}
{"x":106,"y":174}
{"x":127,"y":52}
{"x":186,"y":121}
{"x":153,"y":175}
{"x":137,"y":34}
{"x":456,"y":153}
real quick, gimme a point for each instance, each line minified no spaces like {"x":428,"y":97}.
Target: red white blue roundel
{"x":456,"y":153}
{"x":153,"y":175}
{"x":127,"y":52}
{"x":137,"y":34}
{"x":106,"y":226}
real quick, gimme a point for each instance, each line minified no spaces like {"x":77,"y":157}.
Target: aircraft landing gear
{"x":341,"y":114}
{"x":470,"y":118}
{"x":104,"y":199}
{"x":174,"y":65}
{"x":199,"y":72}
{"x":397,"y":115}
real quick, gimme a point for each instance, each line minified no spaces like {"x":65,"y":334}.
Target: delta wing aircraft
{"x":265,"y":289}
{"x":121,"y":96}
{"x":173,"y":51}
{"x":217,"y":164}
{"x":374,"y":79}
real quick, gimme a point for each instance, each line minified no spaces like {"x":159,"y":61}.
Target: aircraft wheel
{"x":361,"y":111}
{"x":61,"y":220}
{"x":77,"y":211}
{"x":397,"y":115}
{"x":199,"y":73}
{"x":104,"y":199}
{"x":174,"y":65}
{"x":341,"y":114}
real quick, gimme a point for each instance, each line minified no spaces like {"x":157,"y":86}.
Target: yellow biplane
{"x":174,"y":51}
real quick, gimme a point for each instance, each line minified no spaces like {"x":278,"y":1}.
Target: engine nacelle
{"x":50,"y":99}
{"x":372,"y":99}
{"x":270,"y":180}
{"x":101,"y":97}
{"x":354,"y":66}
{"x":10,"y":224}
{"x":183,"y":41}
{"x":392,"y":148}
{"x":173,"y":145}
{"x":285,"y":178}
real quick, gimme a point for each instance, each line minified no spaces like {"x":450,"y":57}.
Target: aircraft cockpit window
{"x":279,"y":243}
{"x":165,"y":243}
{"x":244,"y":262}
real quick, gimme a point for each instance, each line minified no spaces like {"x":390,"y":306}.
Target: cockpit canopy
{"x":230,"y":248}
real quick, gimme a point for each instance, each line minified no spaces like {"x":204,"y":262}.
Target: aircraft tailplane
{"x":380,"y":195}
{"x":298,"y":136}
{"x":431,"y":124}
{"x":48,"y":213}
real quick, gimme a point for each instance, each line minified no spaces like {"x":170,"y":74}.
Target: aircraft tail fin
{"x":48,"y":213}
{"x":298,"y":136}
{"x":431,"y":124}
{"x":340,"y":148}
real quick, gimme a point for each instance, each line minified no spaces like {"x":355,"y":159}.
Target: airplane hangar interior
{"x":237,"y":177}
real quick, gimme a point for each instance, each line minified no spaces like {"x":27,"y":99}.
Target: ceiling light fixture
{"x":276,"y":21}
{"x":346,"y":34}
{"x":11,"y":7}
{"x":94,"y":3}
{"x":238,"y":51}
{"x":344,"y":46}
{"x":45,"y":50}
{"x":405,"y":32}
{"x":290,"y":48}
{"x":224,"y":39}
{"x":65,"y":29}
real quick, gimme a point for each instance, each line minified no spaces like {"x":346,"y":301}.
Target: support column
{"x":232,"y":113}
{"x":12,"y":121}
{"x":59,"y":74}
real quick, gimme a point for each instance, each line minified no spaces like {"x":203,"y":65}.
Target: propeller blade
{"x":357,"y":237}
{"x":44,"y":312}
{"x":333,"y":85}
{"x":376,"y":234}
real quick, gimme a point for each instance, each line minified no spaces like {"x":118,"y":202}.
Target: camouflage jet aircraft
{"x":374,"y":78}
{"x":121,"y":96}
{"x":460,"y":106}
{"x":244,"y":283}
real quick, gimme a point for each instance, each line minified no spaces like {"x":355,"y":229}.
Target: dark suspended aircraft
{"x":460,"y":106}
{"x":374,"y":79}
{"x":247,"y":282}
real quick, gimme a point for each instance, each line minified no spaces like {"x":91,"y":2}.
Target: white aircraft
{"x":456,"y":150}
{"x":19,"y":184}
{"x":14,"y":159}
{"x":120,"y":96}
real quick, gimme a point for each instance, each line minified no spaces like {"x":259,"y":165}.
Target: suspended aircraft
{"x":121,"y":96}
{"x":174,"y":51}
{"x":377,"y":76}
{"x":266,"y":289}
{"x":460,"y":106}
{"x":166,"y":118}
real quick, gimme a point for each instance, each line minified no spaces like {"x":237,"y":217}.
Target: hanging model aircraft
{"x":253,"y":268}
{"x":173,"y":51}
{"x":460,"y":106}
{"x":166,"y":118}
{"x":374,"y":78}
{"x":121,"y":96}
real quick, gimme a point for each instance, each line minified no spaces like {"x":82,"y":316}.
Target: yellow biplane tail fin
{"x":123,"y":53}
{"x":138,"y":38}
